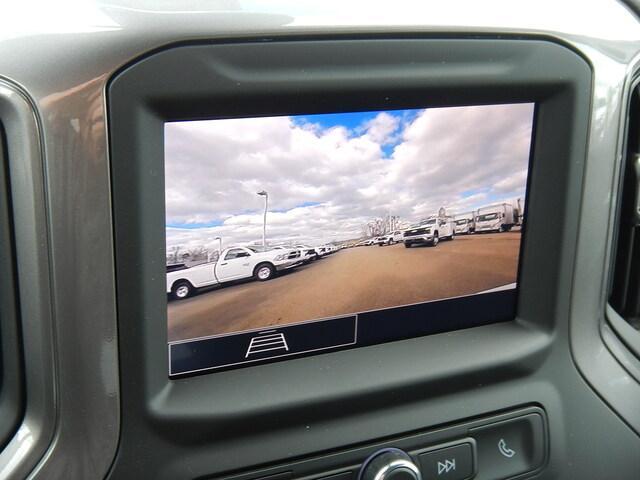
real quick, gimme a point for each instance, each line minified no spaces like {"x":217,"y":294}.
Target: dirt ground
{"x":349,"y":281}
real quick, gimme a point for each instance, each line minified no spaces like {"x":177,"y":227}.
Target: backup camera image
{"x":292,"y":235}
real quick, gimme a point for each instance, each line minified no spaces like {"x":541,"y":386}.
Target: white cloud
{"x":381,"y":129}
{"x":324,"y":184}
{"x":511,"y":183}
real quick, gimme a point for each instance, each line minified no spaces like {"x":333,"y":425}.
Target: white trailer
{"x":465,"y":223}
{"x":499,"y":217}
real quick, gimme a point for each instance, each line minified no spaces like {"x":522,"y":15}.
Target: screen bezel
{"x":290,"y":76}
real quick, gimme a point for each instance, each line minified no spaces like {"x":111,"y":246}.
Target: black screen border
{"x":295,"y":75}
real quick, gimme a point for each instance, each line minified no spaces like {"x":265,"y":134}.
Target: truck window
{"x":235,"y":253}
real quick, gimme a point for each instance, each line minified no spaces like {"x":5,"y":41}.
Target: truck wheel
{"x":407,"y":245}
{"x":264,"y":272}
{"x":435,"y":240}
{"x":182,"y":290}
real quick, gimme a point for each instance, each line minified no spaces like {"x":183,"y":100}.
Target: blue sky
{"x":351,"y":120}
{"x":193,"y":226}
{"x":218,"y":223}
{"x":355,"y":122}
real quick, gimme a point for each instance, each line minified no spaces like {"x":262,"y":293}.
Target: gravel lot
{"x":349,"y":281}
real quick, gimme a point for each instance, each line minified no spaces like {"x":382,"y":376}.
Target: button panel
{"x":511,"y":447}
{"x":494,"y":447}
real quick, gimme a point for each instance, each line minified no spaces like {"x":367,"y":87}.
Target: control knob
{"x":389,"y":464}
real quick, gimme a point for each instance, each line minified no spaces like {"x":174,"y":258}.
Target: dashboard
{"x":326,"y":241}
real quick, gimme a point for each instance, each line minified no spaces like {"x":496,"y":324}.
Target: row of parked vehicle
{"x":499,"y":217}
{"x":238,"y":263}
{"x":242,"y":262}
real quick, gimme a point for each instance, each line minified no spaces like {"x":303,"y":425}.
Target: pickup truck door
{"x":443,"y":228}
{"x":235,"y":264}
{"x":201,"y":276}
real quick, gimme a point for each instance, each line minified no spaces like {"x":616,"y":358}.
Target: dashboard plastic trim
{"x":27,"y":192}
{"x":138,"y":109}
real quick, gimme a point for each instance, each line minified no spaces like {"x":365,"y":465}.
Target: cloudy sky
{"x":328,"y":175}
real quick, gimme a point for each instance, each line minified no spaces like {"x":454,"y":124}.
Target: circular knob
{"x":389,"y":464}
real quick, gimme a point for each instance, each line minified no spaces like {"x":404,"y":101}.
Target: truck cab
{"x":496,"y":218}
{"x":464,"y":223}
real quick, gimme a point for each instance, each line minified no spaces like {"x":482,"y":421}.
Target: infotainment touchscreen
{"x":290,"y":236}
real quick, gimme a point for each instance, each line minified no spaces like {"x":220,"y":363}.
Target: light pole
{"x":219,"y":248}
{"x":264,"y":194}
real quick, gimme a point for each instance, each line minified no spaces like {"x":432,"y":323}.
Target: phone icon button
{"x":504,"y":450}
{"x":510,"y":447}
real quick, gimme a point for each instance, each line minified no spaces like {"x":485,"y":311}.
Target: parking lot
{"x":351,"y":280}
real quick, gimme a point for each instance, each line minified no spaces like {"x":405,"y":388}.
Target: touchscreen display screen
{"x":290,"y":236}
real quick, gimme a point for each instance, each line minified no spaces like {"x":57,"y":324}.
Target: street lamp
{"x":219,"y":248}
{"x":264,"y":194}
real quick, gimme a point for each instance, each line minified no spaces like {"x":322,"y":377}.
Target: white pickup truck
{"x":383,"y":240}
{"x":235,"y":263}
{"x":397,"y":236}
{"x":429,"y":232}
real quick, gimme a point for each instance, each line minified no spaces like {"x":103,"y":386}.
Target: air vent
{"x":625,"y":289}
{"x":11,"y":381}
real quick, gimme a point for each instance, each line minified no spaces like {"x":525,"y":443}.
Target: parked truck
{"x":465,"y":223}
{"x":234,"y":263}
{"x":499,"y":217}
{"x":429,"y":231}
{"x":308,"y":253}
